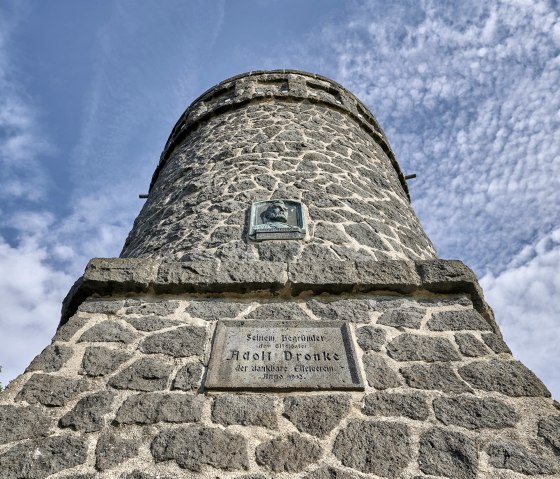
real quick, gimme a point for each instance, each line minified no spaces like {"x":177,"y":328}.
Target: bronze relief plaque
{"x":286,"y":355}
{"x":276,"y":220}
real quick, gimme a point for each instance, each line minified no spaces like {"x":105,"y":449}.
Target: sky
{"x":466,"y":91}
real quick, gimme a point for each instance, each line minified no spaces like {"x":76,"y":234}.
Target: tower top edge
{"x":280,"y":84}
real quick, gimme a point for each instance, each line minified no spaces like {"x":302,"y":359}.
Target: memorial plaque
{"x":276,"y":220}
{"x":284,"y":355}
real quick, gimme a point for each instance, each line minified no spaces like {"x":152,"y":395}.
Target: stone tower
{"x":277,"y":312}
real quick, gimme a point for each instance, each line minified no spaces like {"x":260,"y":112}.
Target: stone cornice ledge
{"x":109,"y":276}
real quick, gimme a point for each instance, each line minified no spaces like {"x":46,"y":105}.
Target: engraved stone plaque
{"x":276,"y":220}
{"x":285,"y":355}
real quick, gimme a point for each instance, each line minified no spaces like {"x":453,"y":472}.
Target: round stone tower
{"x":277,"y":312}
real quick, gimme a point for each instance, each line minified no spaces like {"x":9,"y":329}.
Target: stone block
{"x":88,"y":414}
{"x":330,"y":473}
{"x":145,"y":308}
{"x":278,"y":311}
{"x":446,"y":276}
{"x":396,"y":404}
{"x":112,"y":450}
{"x":181,"y":342}
{"x":470,"y":346}
{"x":413,"y":347}
{"x":107,"y":332}
{"x":100,"y":361}
{"x":353,"y":310}
{"x":515,"y":457}
{"x":370,"y":338}
{"x":193,"y":447}
{"x":381,"y":448}
{"x":107,"y":276}
{"x":22,"y":422}
{"x":67,"y":330}
{"x":101,"y":307}
{"x":51,"y":390}
{"x":378,"y":374}
{"x":156,"y":407}
{"x":457,"y":321}
{"x":403,"y":318}
{"x":212,"y":310}
{"x":507,"y":377}
{"x":434,"y":376}
{"x":245,"y":410}
{"x":51,"y":359}
{"x":474,"y":413}
{"x":292,"y":453}
{"x":146,"y":374}
{"x":449,"y":454}
{"x":322,"y":276}
{"x":150,"y":324}
{"x":188,"y":377}
{"x":387,"y":275}
{"x":549,"y":428}
{"x":495,"y":343}
{"x":279,"y":251}
{"x":316,"y":415}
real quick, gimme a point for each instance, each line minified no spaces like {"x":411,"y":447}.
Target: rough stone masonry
{"x":431,"y":388}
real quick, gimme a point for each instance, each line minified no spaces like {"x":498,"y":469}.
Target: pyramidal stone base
{"x":122,"y":390}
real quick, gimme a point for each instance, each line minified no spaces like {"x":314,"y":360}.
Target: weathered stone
{"x":157,"y":407}
{"x":317,"y":252}
{"x":20,"y":422}
{"x":279,"y":251}
{"x":41,"y":458}
{"x":101,"y":307}
{"x":146,"y":374}
{"x":507,"y":377}
{"x":291,"y":453}
{"x":142,"y":475}
{"x":434,"y":376}
{"x":193,"y":447}
{"x":403,"y":318}
{"x":457,"y":320}
{"x":330,"y":473}
{"x":413,"y":347}
{"x":354,"y":310}
{"x":381,"y":448}
{"x":391,"y":275}
{"x":151,"y":323}
{"x":515,"y":457}
{"x":113,"y":450}
{"x":495,"y":343}
{"x":549,"y":428}
{"x":50,"y":390}
{"x":212,"y":310}
{"x":370,"y":338}
{"x":332,"y":276}
{"x":331,"y":233}
{"x":316,"y":415}
{"x":396,"y":404}
{"x":181,"y":342}
{"x":245,"y":410}
{"x":251,"y":476}
{"x":379,"y":375}
{"x":278,"y":311}
{"x":449,"y":454}
{"x":474,"y":413}
{"x":364,"y":235}
{"x":107,"y":331}
{"x":71,"y":327}
{"x":188,"y":377}
{"x":51,"y":359}
{"x":99,"y":361}
{"x":156,"y":308}
{"x":88,"y":414}
{"x":469,"y":345}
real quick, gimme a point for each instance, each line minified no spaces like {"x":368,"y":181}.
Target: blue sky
{"x":467,"y":93}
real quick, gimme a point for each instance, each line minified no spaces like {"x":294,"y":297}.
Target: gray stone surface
{"x":292,"y":453}
{"x":507,"y":377}
{"x":457,"y":320}
{"x":108,"y":331}
{"x":22,"y":422}
{"x":212,"y":310}
{"x":549,"y":428}
{"x":246,"y":410}
{"x":101,"y":307}
{"x":317,"y":415}
{"x":396,"y":404}
{"x":100,"y":361}
{"x":151,"y":323}
{"x":113,"y":449}
{"x":381,"y":448}
{"x":181,"y":342}
{"x":413,"y":347}
{"x":379,"y":375}
{"x":278,"y":311}
{"x":88,"y":413}
{"x":495,"y":343}
{"x":188,"y":377}
{"x":41,"y":458}
{"x":50,"y":390}
{"x":474,"y":413}
{"x":71,"y":327}
{"x":156,"y":407}
{"x":142,"y":475}
{"x":146,"y":374}
{"x":156,"y":308}
{"x":354,"y":310}
{"x":470,"y":346}
{"x":279,"y":251}
{"x":370,"y":338}
{"x":403,"y":318}
{"x":193,"y":447}
{"x":515,"y":457}
{"x":434,"y":376}
{"x":330,"y":473}
{"x":447,"y":453}
{"x":51,"y":359}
